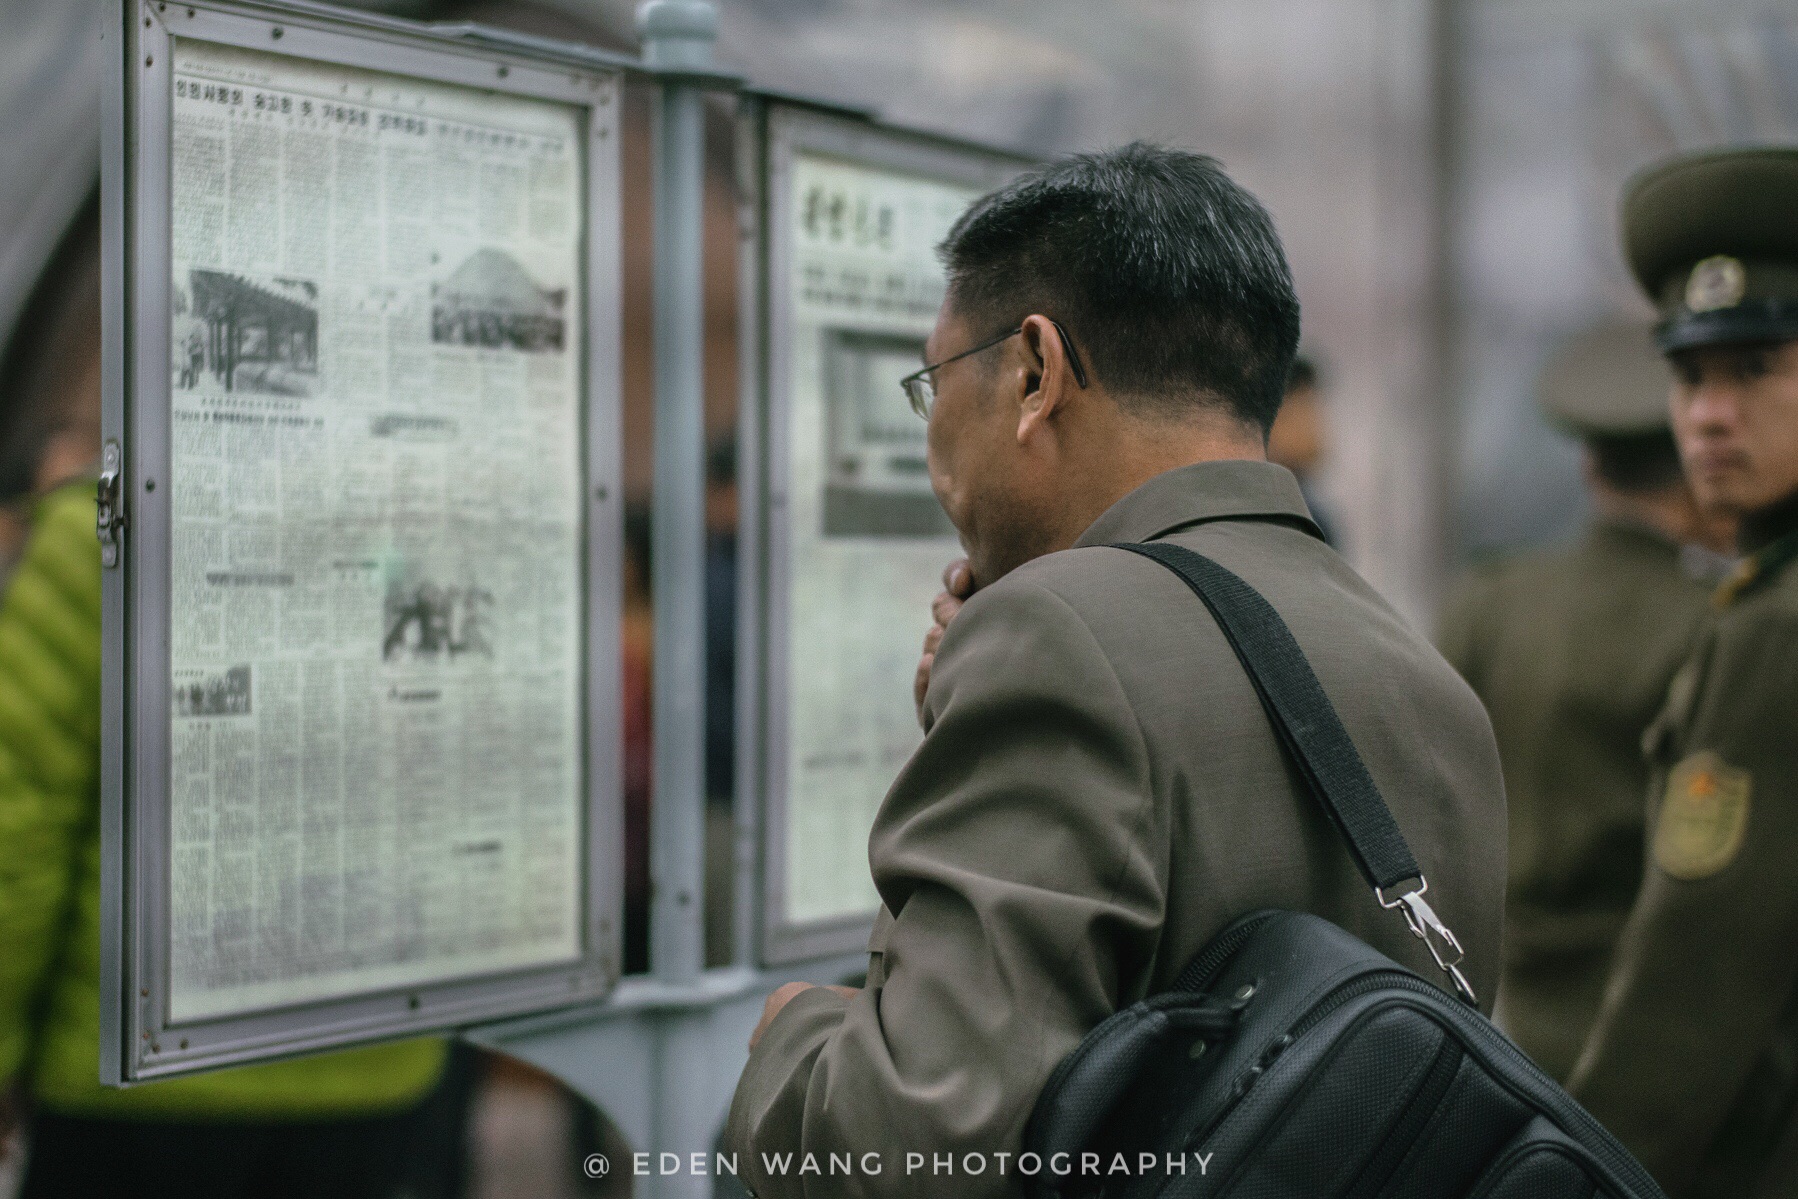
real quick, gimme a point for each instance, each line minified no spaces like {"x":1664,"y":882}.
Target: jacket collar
{"x":1205,"y":491}
{"x":1770,"y":538}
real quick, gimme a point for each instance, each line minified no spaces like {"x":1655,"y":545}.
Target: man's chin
{"x":989,"y":567}
{"x":1723,"y":490}
{"x":1738,"y":497}
{"x":986,"y":567}
{"x":1003,"y":538}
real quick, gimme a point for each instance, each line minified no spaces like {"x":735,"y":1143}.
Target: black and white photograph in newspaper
{"x":427,"y":620}
{"x":237,"y":333}
{"x":223,"y":692}
{"x":491,"y":301}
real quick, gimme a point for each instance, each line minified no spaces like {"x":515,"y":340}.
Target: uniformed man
{"x":1098,"y":791}
{"x":1572,"y":650}
{"x":1300,"y":441}
{"x":1693,"y":1060}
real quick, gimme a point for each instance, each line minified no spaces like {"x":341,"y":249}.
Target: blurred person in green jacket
{"x":1571,"y":650}
{"x":373,"y":1122}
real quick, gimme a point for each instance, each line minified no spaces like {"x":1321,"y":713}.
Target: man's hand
{"x":958,"y":585}
{"x":782,"y":996}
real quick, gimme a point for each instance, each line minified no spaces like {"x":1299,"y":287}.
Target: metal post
{"x":677,"y":36}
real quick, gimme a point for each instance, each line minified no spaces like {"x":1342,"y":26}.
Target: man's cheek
{"x":951,"y":487}
{"x":935,"y":465}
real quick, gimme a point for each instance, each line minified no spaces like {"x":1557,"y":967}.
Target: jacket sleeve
{"x":1705,"y":966}
{"x":49,"y":745}
{"x":1013,"y":853}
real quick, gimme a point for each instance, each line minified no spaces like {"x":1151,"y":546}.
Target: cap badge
{"x":1717,"y":282}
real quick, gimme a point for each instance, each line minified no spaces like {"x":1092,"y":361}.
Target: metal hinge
{"x":109,"y":513}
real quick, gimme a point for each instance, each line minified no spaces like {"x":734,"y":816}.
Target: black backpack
{"x":1290,"y":1060}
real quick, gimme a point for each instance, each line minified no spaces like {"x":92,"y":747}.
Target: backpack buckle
{"x":1428,"y":927}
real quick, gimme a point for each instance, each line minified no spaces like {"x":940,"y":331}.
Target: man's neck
{"x":1668,"y":511}
{"x":1148,"y":449}
{"x":1112,"y":465}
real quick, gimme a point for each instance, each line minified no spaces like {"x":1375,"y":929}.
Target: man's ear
{"x":1048,"y":384}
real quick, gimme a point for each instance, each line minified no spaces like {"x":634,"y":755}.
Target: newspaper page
{"x":868,"y":541}
{"x":375,"y":775}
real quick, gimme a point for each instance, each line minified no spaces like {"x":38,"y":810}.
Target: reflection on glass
{"x":879,"y":482}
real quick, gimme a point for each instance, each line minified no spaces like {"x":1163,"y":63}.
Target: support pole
{"x":677,"y":36}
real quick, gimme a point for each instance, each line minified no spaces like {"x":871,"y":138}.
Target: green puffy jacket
{"x":50,"y":874}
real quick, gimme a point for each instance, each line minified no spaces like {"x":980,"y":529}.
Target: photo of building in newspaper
{"x":490,"y":300}
{"x":236,"y":333}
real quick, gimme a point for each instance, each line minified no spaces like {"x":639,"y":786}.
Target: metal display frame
{"x":774,"y":130}
{"x":139,"y":1041}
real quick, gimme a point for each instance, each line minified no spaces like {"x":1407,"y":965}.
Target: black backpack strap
{"x":1312,"y":733}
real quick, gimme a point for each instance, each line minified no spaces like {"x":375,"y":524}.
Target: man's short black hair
{"x":1636,"y":462}
{"x":1168,"y":277}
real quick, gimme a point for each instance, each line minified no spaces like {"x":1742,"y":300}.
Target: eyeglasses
{"x":920,"y":388}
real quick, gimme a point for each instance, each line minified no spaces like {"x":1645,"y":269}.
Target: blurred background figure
{"x":50,"y":377}
{"x":1572,"y":650}
{"x":638,"y":660}
{"x":1300,"y":442}
{"x":376,"y":1122}
{"x":720,"y":712}
{"x":50,"y":66}
{"x":721,"y":510}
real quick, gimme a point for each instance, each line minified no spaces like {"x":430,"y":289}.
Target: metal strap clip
{"x":1428,"y":927}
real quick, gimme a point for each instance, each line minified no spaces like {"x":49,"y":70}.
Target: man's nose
{"x":1715,"y":404}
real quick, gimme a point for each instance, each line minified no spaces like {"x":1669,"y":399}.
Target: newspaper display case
{"x":844,"y":540}
{"x":360,"y":526}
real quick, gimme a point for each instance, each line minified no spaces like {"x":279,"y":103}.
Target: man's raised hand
{"x":958,"y":585}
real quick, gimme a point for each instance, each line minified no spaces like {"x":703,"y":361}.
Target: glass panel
{"x":867,"y":538}
{"x":375,"y":774}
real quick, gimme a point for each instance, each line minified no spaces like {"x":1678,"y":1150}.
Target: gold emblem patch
{"x":1704,"y":819}
{"x":1717,"y":282}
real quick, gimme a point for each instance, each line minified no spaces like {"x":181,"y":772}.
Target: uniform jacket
{"x":1572,"y":651}
{"x":1693,"y":1061}
{"x":50,"y":873}
{"x":1098,"y":793}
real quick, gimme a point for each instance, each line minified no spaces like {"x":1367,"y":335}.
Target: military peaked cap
{"x":1712,"y":237}
{"x":1606,"y":381}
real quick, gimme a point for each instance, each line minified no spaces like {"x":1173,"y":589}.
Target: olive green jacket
{"x":1572,"y":651}
{"x":1098,"y":793}
{"x":50,"y":873}
{"x":1693,"y":1061}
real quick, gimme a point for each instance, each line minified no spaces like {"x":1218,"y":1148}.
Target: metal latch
{"x":109,"y":512}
